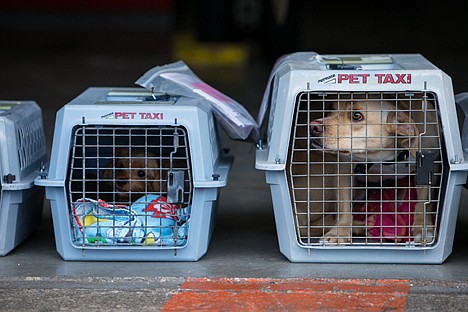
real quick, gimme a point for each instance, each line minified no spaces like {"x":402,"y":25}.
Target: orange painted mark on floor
{"x":256,"y":294}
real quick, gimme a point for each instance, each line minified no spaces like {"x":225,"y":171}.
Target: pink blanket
{"x":387,"y":217}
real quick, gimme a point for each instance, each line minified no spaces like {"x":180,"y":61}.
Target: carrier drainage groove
{"x":295,"y":294}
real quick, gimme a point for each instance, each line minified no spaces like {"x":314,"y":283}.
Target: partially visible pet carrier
{"x":22,"y":156}
{"x":134,"y":175}
{"x":363,"y":158}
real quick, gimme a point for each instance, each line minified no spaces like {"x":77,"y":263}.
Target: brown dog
{"x":371,"y":131}
{"x":132,"y":174}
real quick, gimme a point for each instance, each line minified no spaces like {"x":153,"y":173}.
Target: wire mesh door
{"x":365,"y":168}
{"x":130,"y":186}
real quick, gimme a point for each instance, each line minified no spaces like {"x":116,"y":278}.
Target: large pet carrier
{"x":364,"y":158}
{"x":23,"y":155}
{"x":134,"y":175}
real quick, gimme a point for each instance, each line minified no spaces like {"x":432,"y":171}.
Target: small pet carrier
{"x":364,"y":158}
{"x":134,"y":176}
{"x":23,"y":155}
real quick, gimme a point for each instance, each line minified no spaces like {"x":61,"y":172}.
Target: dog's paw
{"x":337,"y":235}
{"x":423,"y":236}
{"x":423,"y":231}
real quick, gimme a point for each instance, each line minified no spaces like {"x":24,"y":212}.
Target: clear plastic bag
{"x":177,"y":79}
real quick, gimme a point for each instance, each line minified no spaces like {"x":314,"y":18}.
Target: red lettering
{"x":379,"y":77}
{"x":124,"y":115}
{"x":388,"y":79}
{"x":364,"y":77}
{"x":150,"y":115}
{"x":400,"y":78}
{"x":353,"y":78}
{"x":393,"y":78}
{"x":342,"y":77}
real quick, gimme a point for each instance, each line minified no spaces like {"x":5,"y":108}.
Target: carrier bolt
{"x":215,"y":176}
{"x":260,"y":145}
{"x":9,"y":178}
{"x":456,"y":160}
{"x":277,"y":159}
{"x":42,"y":172}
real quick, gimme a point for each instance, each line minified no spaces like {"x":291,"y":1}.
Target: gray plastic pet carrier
{"x":23,"y":155}
{"x":134,"y":176}
{"x":364,"y":158}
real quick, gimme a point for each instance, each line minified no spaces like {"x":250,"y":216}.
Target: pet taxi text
{"x":358,"y":78}
{"x":139,"y":115}
{"x":363,"y":78}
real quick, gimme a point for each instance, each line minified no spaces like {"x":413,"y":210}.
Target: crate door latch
{"x":175,"y":186}
{"x":424,"y":168}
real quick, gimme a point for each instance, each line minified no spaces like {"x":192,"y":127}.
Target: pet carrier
{"x":363,"y":158}
{"x":23,"y":155}
{"x":134,"y":175}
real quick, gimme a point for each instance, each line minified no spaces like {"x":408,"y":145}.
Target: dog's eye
{"x":141,"y":173}
{"x":357,"y":116}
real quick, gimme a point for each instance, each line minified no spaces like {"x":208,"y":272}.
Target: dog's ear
{"x":400,"y":124}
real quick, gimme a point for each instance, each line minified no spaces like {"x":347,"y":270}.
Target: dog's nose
{"x":316,"y":127}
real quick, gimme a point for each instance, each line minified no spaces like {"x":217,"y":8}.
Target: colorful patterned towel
{"x":148,"y":221}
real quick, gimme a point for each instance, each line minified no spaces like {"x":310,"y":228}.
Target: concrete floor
{"x":54,"y":67}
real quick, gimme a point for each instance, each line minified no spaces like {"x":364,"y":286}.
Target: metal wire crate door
{"x":130,"y":186}
{"x":388,"y":144}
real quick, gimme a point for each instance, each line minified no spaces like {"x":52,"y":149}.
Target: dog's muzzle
{"x":316,"y":132}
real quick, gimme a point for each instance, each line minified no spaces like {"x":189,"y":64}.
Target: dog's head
{"x":369,"y":130}
{"x":133,"y":173}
